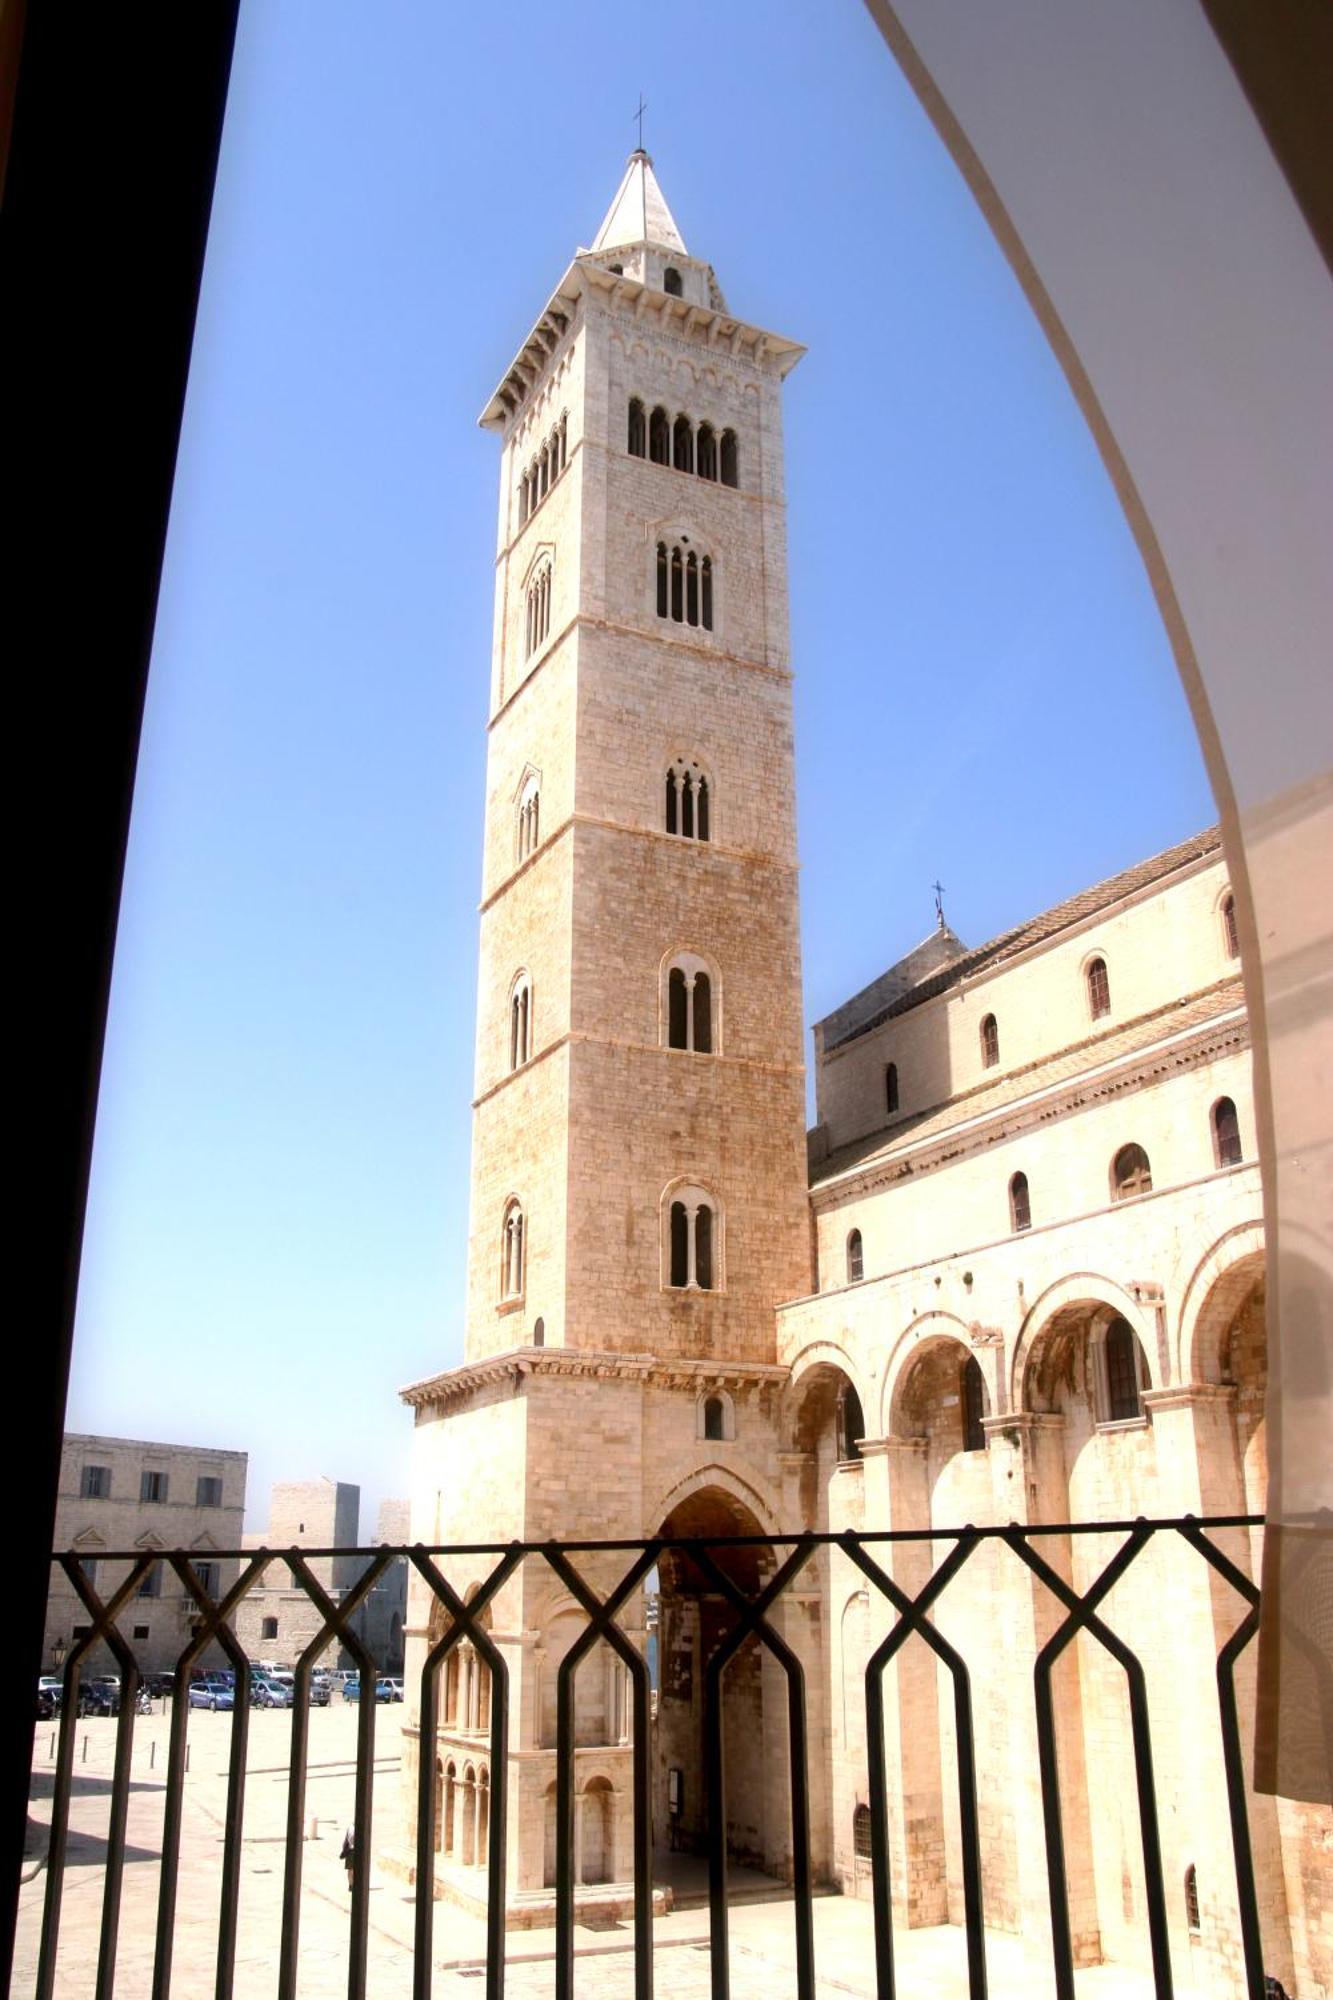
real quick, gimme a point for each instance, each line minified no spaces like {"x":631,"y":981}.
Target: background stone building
{"x":127,"y":1493}
{"x":277,"y":1619}
{"x":1020,"y":1278}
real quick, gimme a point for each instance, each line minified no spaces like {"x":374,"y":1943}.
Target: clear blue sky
{"x":278,"y":1220}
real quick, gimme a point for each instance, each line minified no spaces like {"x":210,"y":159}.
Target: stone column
{"x":1031,"y":1486}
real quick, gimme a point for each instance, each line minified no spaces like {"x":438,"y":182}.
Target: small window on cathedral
{"x":1230,"y":934}
{"x":1099,"y":988}
{"x":638,"y":430}
{"x":539,"y":1333}
{"x":617,"y":270}
{"x":527,"y":829}
{"x":731,"y":470}
{"x":855,"y":1258}
{"x":671,"y":282}
{"x":1192,"y":1922}
{"x":659,"y":437}
{"x":890,"y":1087}
{"x":706,"y":455}
{"x":990,"y":1042}
{"x":520,"y":1022}
{"x":683,"y":445}
{"x":1131,"y":1173}
{"x":714,"y":1418}
{"x":1020,"y":1204}
{"x":689,"y":1005}
{"x":1226,"y":1133}
{"x":861,"y":1841}
{"x":692,"y":1247}
{"x":851,"y":1425}
{"x":1122,"y":1374}
{"x":688,"y":802}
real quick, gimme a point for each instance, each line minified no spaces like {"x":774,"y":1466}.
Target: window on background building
{"x":638,"y":429}
{"x":513,"y":1253}
{"x":990,"y":1042}
{"x":152,"y":1488}
{"x":150,"y":1584}
{"x":715,"y":1418}
{"x":689,"y":1010}
{"x":972,"y":1396}
{"x":891,"y":1087}
{"x":141,"y":1631}
{"x":1230,"y":934}
{"x":209,"y":1575}
{"x":684,"y":585}
{"x":861,"y":1847}
{"x":1121,"y":1352}
{"x":95,"y":1482}
{"x":692,"y":1245}
{"x":1020,"y":1203}
{"x":1131,"y":1173}
{"x":268,"y":1628}
{"x":208,"y":1491}
{"x":706,"y":452}
{"x":855,"y":1258}
{"x":671,"y":282}
{"x":659,"y":437}
{"x":689,"y":801}
{"x":1099,"y":988}
{"x":682,"y":445}
{"x":1226,"y":1134}
{"x":731,"y":461}
{"x":88,"y":1564}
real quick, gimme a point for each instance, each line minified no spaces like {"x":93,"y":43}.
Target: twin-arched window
{"x":684,"y":585}
{"x":692,"y":1251}
{"x":703,"y":450}
{"x":538,"y":622}
{"x":689,"y":1005}
{"x":513,"y":1252}
{"x":520,"y":1021}
{"x":688,"y":801}
{"x":543,"y":471}
{"x":527,"y":827}
{"x":1131,"y":1173}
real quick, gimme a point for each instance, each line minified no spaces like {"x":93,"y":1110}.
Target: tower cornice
{"x":589,"y":281}
{"x":520,"y":1364}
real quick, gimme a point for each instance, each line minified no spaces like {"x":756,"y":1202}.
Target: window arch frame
{"x":1131,"y":1178}
{"x":519,"y":1021}
{"x":989,"y":1035}
{"x":698,"y":804}
{"x":1226,"y":915}
{"x":527,"y":815}
{"x":1097,"y":986}
{"x":514,"y":1252}
{"x":1020,"y":1203}
{"x":684,"y":580}
{"x":694,"y":966}
{"x":715,"y":1397}
{"x":692,"y":1197}
{"x":636,"y":428}
{"x":855,"y":1251}
{"x":973,"y":1403}
{"x":1107,"y":1369}
{"x":1227,"y":1148}
{"x":538,"y":594}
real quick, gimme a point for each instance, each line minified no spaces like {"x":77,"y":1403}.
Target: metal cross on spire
{"x":938,"y":887}
{"x":639,"y":115}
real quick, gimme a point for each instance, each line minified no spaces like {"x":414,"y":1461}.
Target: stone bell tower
{"x":639,"y":1197}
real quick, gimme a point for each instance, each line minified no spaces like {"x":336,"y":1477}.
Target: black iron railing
{"x":462,"y":1609}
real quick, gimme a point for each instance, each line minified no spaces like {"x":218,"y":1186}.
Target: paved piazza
{"x":761,"y":1932}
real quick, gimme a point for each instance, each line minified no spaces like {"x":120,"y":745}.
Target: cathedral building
{"x":1015,"y":1274}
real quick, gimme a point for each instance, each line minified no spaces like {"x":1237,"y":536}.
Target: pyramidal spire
{"x":639,"y":213}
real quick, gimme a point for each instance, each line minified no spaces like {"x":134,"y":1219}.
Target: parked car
{"x":394,"y":1685}
{"x":319,"y":1694}
{"x":100,"y":1696}
{"x":159,"y":1684}
{"x":384,"y":1689}
{"x":49,"y":1692}
{"x":203,"y":1695}
{"x":269,"y":1694}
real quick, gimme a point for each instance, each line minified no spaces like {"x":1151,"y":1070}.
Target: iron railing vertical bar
{"x":113,"y":1880}
{"x":465,"y":1616}
{"x":912,"y":1618}
{"x":601,"y":1616}
{"x":753,"y":1622}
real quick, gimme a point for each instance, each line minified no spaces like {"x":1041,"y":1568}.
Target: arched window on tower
{"x":972,"y":1396}
{"x":1131,"y":1174}
{"x":692,"y":1251}
{"x":990,"y":1042}
{"x":513,"y":1252}
{"x":890,"y":1087}
{"x":671,"y":282}
{"x":1099,"y":988}
{"x":855,"y":1258}
{"x":1020,"y":1204}
{"x":538,"y":623}
{"x":714,"y":1418}
{"x":731,"y":464}
{"x":688,"y":1012}
{"x":520,"y":1021}
{"x":1226,"y":1133}
{"x":659,"y":437}
{"x":684,"y":585}
{"x":527,"y":826}
{"x":683,"y":445}
{"x":638,"y":429}
{"x":688,"y":801}
{"x":706,"y":454}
